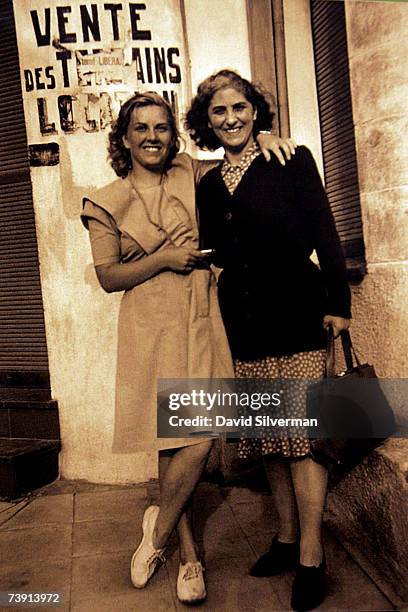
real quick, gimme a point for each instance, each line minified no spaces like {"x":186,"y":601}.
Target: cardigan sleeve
{"x":325,"y":238}
{"x":202,"y":166}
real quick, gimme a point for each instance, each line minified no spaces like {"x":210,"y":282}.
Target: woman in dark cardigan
{"x":264,"y":221}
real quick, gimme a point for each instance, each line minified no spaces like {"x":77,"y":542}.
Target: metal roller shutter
{"x":337,"y":128}
{"x":22,"y":331}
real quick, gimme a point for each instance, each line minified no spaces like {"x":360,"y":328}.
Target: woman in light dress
{"x":144,"y":239}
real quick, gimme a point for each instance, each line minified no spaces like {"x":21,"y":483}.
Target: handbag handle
{"x":330,"y":371}
{"x":348,"y":351}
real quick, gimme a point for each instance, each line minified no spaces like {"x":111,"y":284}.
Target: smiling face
{"x":149,"y":137}
{"x":231,"y":116}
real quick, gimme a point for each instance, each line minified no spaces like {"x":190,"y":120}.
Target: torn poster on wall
{"x":80,"y":60}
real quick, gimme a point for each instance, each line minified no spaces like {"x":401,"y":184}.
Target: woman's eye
{"x":218,"y":111}
{"x":140,"y":128}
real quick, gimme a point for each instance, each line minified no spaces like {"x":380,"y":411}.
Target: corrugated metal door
{"x":22,"y":331}
{"x":337,"y":127}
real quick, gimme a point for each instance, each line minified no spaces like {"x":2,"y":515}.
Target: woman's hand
{"x":120,"y":277}
{"x":337,"y":323}
{"x":271,"y":143}
{"x":182,"y":259}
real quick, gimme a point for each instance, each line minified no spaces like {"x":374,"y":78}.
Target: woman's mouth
{"x":233,"y":130}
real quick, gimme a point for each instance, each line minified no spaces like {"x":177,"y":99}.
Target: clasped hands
{"x":184,"y":258}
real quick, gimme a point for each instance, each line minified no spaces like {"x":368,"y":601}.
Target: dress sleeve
{"x":325,"y":237}
{"x":103,"y":234}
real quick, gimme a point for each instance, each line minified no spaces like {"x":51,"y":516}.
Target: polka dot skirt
{"x":306,"y":365}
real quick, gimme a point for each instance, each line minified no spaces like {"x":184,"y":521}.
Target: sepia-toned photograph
{"x":203,"y":305}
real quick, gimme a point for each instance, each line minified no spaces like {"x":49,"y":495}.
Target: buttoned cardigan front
{"x":272,"y":296}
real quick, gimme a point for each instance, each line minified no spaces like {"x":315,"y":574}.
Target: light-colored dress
{"x":170,"y":325}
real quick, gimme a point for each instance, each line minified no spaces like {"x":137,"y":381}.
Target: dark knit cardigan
{"x":272,"y":296}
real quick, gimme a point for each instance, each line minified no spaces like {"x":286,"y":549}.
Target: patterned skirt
{"x":306,"y":365}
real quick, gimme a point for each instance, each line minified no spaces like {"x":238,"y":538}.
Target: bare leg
{"x":283,"y":494}
{"x":310,"y":484}
{"x":188,"y":549}
{"x":179,"y":481}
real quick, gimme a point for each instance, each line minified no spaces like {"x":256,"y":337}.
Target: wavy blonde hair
{"x":119,"y":155}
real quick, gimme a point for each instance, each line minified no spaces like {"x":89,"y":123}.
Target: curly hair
{"x":196,"y":122}
{"x":119,"y":155}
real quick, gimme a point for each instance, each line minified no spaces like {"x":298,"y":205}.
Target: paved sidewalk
{"x":77,"y":539}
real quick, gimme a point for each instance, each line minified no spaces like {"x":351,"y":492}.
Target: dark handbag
{"x":351,"y":410}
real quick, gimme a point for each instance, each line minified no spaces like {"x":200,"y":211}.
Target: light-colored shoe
{"x":190,"y":583}
{"x":146,"y":557}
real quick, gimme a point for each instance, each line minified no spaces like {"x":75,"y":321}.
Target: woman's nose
{"x":231,"y":118}
{"x":151,"y":134}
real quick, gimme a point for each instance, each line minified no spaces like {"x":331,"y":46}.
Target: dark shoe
{"x":279,"y":558}
{"x":309,"y":587}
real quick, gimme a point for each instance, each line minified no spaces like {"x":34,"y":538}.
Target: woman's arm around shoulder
{"x":282,"y":148}
{"x":270,"y":145}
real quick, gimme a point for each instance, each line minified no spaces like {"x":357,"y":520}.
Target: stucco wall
{"x":80,"y":317}
{"x":379,"y":86}
{"x":377,"y":43}
{"x":217,"y":37}
{"x":217,"y":44}
{"x":368,"y":509}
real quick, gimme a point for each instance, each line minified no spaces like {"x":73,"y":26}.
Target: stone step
{"x":18,"y":394}
{"x":26,"y":464}
{"x":24,"y":386}
{"x":49,"y":404}
{"x":28,"y":379}
{"x":29,"y":419}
